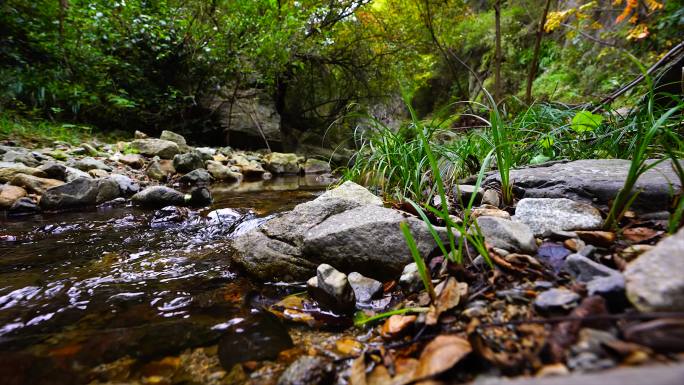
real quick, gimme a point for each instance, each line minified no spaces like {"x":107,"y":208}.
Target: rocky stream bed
{"x":152,"y":262}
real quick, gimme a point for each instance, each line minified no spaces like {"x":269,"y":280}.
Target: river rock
{"x":553,"y":214}
{"x":135,"y":161}
{"x":54,"y":171}
{"x":155,"y":171}
{"x":87,"y":164}
{"x":600,"y":279}
{"x":365,"y":289}
{"x":655,"y":280}
{"x":555,"y":300}
{"x":10,"y":194}
{"x":20,"y":156}
{"x":315,"y":166}
{"x":463,"y":193}
{"x":410,"y":280}
{"x":158,"y":197}
{"x":196,"y":177}
{"x":9,"y":169}
{"x":200,"y":197}
{"x":307,"y":370}
{"x":35,"y":184}
{"x":336,"y":285}
{"x":97,"y":173}
{"x":107,"y":190}
{"x":127,"y":186}
{"x":184,"y":163}
{"x":595,"y":181}
{"x":507,"y":235}
{"x":222,"y":173}
{"x":24,"y":206}
{"x":164,"y":149}
{"x":280,"y":163}
{"x":249,"y":168}
{"x":176,"y":138}
{"x":79,"y":192}
{"x":74,"y":173}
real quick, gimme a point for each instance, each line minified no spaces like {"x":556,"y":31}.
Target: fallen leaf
{"x":348,"y":346}
{"x":449,"y":295}
{"x":597,"y":238}
{"x":404,"y":370}
{"x":640,"y":234}
{"x":292,"y":308}
{"x":441,"y":354}
{"x":396,"y":325}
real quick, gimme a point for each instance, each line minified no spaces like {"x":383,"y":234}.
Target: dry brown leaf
{"x":597,"y":238}
{"x":348,"y":346}
{"x":404,"y":373}
{"x":441,"y":354}
{"x":449,"y":295}
{"x":292,"y":308}
{"x":640,"y":234}
{"x":396,"y":325}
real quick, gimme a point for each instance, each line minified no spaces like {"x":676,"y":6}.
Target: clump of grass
{"x":42,"y":132}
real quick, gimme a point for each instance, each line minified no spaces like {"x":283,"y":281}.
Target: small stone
{"x":155,"y":171}
{"x":491,"y":197}
{"x":89,"y":149}
{"x":307,"y":370}
{"x":336,"y":285}
{"x":96,"y":173}
{"x":159,"y":196}
{"x":410,"y":280}
{"x":464,"y":192}
{"x":140,"y":135}
{"x":196,"y":177}
{"x":365,"y":289}
{"x":559,"y":235}
{"x":544,"y":214}
{"x":24,"y":206}
{"x":9,"y":169}
{"x":630,"y":253}
{"x":555,"y":300}
{"x":54,"y":171}
{"x":127,"y":186}
{"x":187,"y":162}
{"x":508,"y":235}
{"x":87,"y":164}
{"x":489,"y":212}
{"x":222,"y":173}
{"x":10,"y":194}
{"x":600,"y":279}
{"x":107,"y":190}
{"x":574,"y":244}
{"x":200,"y":197}
{"x":135,"y":161}
{"x":315,"y":166}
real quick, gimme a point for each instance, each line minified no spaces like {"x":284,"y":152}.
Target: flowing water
{"x":84,"y":288}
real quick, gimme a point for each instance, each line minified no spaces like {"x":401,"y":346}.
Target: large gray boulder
{"x":655,"y":280}
{"x":79,"y":192}
{"x":595,"y":181}
{"x":164,"y":149}
{"x":346,"y":227}
{"x":554,"y":214}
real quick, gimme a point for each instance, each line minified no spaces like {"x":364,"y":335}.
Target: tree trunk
{"x":497,"y":53}
{"x":535,"y":57}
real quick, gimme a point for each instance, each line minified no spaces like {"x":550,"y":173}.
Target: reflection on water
{"x":79,"y":289}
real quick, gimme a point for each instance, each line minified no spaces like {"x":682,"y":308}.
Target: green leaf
{"x":539,"y":158}
{"x":585,"y":121}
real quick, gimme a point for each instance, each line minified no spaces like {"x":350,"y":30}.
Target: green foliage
{"x":40,"y":132}
{"x":585,"y":121}
{"x":418,"y":259}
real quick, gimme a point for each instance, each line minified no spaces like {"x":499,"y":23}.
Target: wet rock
{"x":365,"y":289}
{"x":556,"y":300}
{"x":127,"y":186}
{"x":275,"y":251}
{"x":35,"y":184}
{"x":599,"y":279}
{"x":367,"y":239}
{"x":222,"y":173}
{"x":135,"y":161}
{"x":74,"y":173}
{"x":410,"y":280}
{"x":79,"y":192}
{"x":315,"y":166}
{"x":164,"y":149}
{"x":154,"y":171}
{"x":307,"y":370}
{"x":9,"y":194}
{"x":655,"y":280}
{"x":187,"y":162}
{"x":335,"y":284}
{"x":547,"y":214}
{"x":176,"y":138}
{"x":87,"y":164}
{"x":107,"y":190}
{"x":198,"y":177}
{"x":200,"y":197}
{"x":206,"y":153}
{"x":489,"y":211}
{"x":280,"y":163}
{"x":9,"y":169}
{"x":54,"y":171}
{"x":595,"y":181}
{"x":89,"y":149}
{"x":508,"y":235}
{"x":159,"y":196}
{"x":24,"y":206}
{"x":258,"y":337}
{"x":249,"y":168}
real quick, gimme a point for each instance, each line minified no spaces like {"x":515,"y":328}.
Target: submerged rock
{"x":556,"y":214}
{"x":595,"y":181}
{"x":507,"y":235}
{"x":655,"y":280}
{"x":307,"y":370}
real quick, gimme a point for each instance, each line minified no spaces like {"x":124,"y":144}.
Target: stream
{"x":81,"y":289}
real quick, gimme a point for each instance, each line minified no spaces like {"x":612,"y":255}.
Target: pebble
{"x":555,"y":300}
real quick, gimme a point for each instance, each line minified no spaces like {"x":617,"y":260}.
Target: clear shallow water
{"x":83,"y":288}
